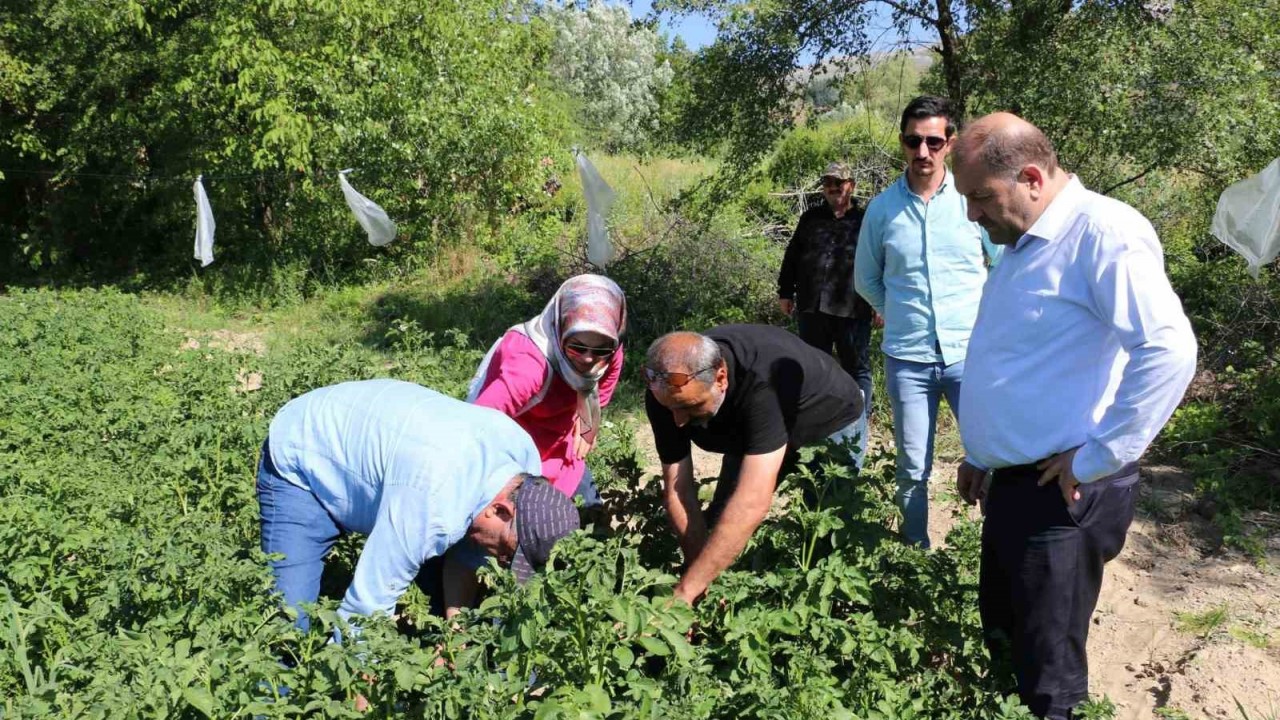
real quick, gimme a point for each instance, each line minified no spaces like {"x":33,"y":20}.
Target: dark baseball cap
{"x":543,"y":516}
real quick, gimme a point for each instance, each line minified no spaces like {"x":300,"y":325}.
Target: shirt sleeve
{"x":868,"y":264}
{"x":1132,"y":296}
{"x":400,"y":542}
{"x":609,"y":382}
{"x":516,"y":373}
{"x":787,"y":275}
{"x":672,"y":444}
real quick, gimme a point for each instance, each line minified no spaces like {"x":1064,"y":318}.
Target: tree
{"x":113,"y":108}
{"x":745,"y":82}
{"x":612,"y":68}
{"x":1127,"y":88}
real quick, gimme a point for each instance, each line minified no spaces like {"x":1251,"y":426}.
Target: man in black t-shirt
{"x":755,"y":394}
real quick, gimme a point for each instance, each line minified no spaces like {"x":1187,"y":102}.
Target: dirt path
{"x":1183,"y":629}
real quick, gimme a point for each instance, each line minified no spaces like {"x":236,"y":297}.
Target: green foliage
{"x":131,"y":586}
{"x":801,"y":155}
{"x":439,"y":105}
{"x":755,"y":81}
{"x":1124,"y":89}
{"x":1096,"y":709}
{"x":700,"y":275}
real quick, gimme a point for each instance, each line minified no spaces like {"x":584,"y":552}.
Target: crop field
{"x":132,"y":586}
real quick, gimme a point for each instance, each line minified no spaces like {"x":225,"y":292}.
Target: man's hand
{"x":969,"y":480}
{"x":786,"y":305}
{"x":743,"y":513}
{"x":1058,"y":468}
{"x":877,"y":320}
{"x":685,"y":596}
{"x":362,"y":702}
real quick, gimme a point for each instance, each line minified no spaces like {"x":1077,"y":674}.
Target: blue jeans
{"x":915,"y":390}
{"x":587,"y":490}
{"x":296,"y":525}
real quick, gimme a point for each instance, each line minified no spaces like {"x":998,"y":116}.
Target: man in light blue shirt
{"x":920,"y":264}
{"x":1080,"y":354}
{"x":417,"y":472}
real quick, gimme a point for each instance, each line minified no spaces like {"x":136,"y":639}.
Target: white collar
{"x":1052,"y":221}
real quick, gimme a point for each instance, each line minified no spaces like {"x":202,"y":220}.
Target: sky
{"x":698,"y":31}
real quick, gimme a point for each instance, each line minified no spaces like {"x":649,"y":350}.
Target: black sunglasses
{"x":673,"y":379}
{"x":589,"y":351}
{"x":833,"y":182}
{"x":934,"y":142}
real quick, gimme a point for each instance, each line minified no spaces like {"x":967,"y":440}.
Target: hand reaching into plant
{"x":362,"y":702}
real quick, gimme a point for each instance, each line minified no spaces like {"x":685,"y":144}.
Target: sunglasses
{"x":833,"y":182}
{"x":934,"y":142}
{"x":587,"y":351}
{"x":673,"y":379}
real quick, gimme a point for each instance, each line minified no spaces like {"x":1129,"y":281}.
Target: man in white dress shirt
{"x":1079,"y":355}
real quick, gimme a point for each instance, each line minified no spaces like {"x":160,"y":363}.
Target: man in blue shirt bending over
{"x":920,"y":265}
{"x":429,"y":480}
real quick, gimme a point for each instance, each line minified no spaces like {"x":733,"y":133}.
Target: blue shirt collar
{"x":945,"y":187}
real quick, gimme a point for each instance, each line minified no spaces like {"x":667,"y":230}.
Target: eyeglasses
{"x":934,"y":142}
{"x":673,"y":379}
{"x":833,"y":182}
{"x":587,"y":351}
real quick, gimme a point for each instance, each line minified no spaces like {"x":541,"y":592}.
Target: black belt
{"x":1014,"y":473}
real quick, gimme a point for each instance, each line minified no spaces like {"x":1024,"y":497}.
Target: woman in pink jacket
{"x":554,"y":373}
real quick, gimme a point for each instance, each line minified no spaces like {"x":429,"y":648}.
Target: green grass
{"x":1204,"y":623}
{"x":1250,"y":636}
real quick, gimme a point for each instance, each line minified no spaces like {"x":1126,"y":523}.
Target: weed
{"x":1204,"y":623}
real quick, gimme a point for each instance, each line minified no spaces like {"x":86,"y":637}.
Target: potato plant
{"x":131,"y":584}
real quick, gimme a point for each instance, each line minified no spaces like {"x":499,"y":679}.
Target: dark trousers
{"x":851,"y":339}
{"x":1040,"y":576}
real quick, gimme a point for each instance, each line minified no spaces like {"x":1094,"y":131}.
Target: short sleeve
{"x":671,"y":442}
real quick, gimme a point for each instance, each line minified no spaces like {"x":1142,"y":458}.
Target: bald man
{"x":1079,"y":355}
{"x":754,"y":393}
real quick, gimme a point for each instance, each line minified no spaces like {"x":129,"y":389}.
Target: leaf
{"x":653,"y":645}
{"x":200,"y":699}
{"x":623,"y":656}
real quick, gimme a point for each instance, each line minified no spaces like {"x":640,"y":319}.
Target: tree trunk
{"x":949,"y":49}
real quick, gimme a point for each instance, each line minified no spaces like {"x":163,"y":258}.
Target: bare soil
{"x":1184,"y":627}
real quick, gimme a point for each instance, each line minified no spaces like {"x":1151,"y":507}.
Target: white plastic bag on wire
{"x":1248,"y":217}
{"x":204,"y":224}
{"x":372,"y":218}
{"x":599,"y":198}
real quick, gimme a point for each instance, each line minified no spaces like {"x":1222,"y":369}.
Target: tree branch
{"x":909,"y":11}
{"x":1122,"y":183}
